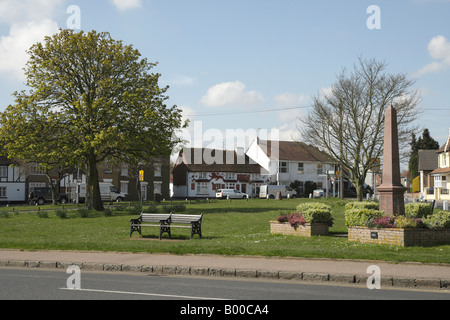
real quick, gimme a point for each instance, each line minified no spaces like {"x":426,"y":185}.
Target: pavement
{"x":346,"y":272}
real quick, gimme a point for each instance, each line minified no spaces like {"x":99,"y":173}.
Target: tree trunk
{"x":359,"y":190}
{"x":93,"y":196}
{"x":53,"y":188}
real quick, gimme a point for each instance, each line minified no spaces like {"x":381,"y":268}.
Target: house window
{"x":230,"y":186}
{"x":202,"y":188}
{"x":319,"y":168}
{"x":203,"y":175}
{"x":230,"y":176}
{"x":3,"y":172}
{"x":124,"y":186}
{"x":158,"y":170}
{"x":301,"y":169}
{"x":124,"y":172}
{"x":108,"y":167}
{"x":284,"y":167}
{"x":3,"y":192}
{"x":37,"y":169}
{"x":157,"y":188}
{"x":37,"y":185}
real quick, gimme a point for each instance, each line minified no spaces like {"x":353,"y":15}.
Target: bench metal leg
{"x":196,"y":229}
{"x":134,"y":229}
{"x":164,"y":228}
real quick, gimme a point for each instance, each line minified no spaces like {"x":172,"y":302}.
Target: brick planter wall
{"x":400,"y":237}
{"x":308,"y":230}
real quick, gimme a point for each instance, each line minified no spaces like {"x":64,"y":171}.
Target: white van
{"x":230,"y":193}
{"x":107,"y":190}
{"x":270,"y":192}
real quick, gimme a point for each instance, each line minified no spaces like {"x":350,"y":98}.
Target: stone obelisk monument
{"x":391,"y":190}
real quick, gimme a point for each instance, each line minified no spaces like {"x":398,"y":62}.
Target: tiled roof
{"x":196,"y":160}
{"x":294,"y":151}
{"x":439,"y":171}
{"x":443,"y":148}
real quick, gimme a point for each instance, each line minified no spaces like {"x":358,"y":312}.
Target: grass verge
{"x":238,"y":227}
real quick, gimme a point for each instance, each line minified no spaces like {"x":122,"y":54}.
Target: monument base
{"x":392,"y":200}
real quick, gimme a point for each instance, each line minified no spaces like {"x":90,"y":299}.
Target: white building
{"x":284,"y":162}
{"x":12,"y":182}
{"x":198,"y":173}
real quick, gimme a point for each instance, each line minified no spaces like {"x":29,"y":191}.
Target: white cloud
{"x":17,"y":11}
{"x":13,"y":56}
{"x":123,"y":5}
{"x":29,"y":21}
{"x":439,"y":50}
{"x":290,"y":100}
{"x":231,"y":94}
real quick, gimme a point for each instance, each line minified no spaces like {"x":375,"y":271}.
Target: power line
{"x":244,"y":112}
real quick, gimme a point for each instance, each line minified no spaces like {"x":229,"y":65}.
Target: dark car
{"x":44,"y":194}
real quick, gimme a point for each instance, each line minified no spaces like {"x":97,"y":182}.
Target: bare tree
{"x":348,"y":122}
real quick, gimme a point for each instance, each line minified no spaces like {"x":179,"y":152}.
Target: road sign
{"x":141,"y":175}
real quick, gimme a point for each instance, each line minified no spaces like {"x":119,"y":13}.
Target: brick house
{"x":126,"y":178}
{"x":199,"y":172}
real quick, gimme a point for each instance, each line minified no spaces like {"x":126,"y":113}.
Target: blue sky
{"x":237,"y":57}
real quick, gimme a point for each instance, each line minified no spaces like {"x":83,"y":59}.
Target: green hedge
{"x":418,"y":210}
{"x":360,"y":217}
{"x":362,"y":205}
{"x":439,"y":219}
{"x":357,"y":214}
{"x":314,"y":212}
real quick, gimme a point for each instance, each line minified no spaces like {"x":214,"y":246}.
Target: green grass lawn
{"x":229,"y":228}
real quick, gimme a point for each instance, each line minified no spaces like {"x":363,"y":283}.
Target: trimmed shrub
{"x":416,"y":185}
{"x":418,"y":210}
{"x":440,"y":219}
{"x":361,"y":217}
{"x":362,"y":205}
{"x":83,"y":213}
{"x":314,"y":212}
{"x":62,"y":213}
{"x":402,"y":222}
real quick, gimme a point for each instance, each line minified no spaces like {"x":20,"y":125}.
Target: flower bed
{"x":310,"y":219}
{"x":306,"y":230}
{"x":400,"y":237}
{"x":420,"y":227}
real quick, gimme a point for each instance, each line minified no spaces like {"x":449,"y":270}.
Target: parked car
{"x":42,"y":195}
{"x":270,"y":192}
{"x":231,"y":193}
{"x":318,"y":193}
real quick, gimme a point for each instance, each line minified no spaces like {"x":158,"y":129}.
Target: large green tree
{"x":90,"y":99}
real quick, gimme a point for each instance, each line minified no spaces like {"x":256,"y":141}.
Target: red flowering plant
{"x":294,"y":219}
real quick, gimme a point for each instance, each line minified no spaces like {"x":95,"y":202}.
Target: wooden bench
{"x":150,"y":220}
{"x":187,"y":221}
{"x":167,"y":221}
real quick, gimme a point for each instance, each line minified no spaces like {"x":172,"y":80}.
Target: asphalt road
{"x":29,"y":284}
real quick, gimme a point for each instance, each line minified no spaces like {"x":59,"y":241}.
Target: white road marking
{"x":144,"y":294}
